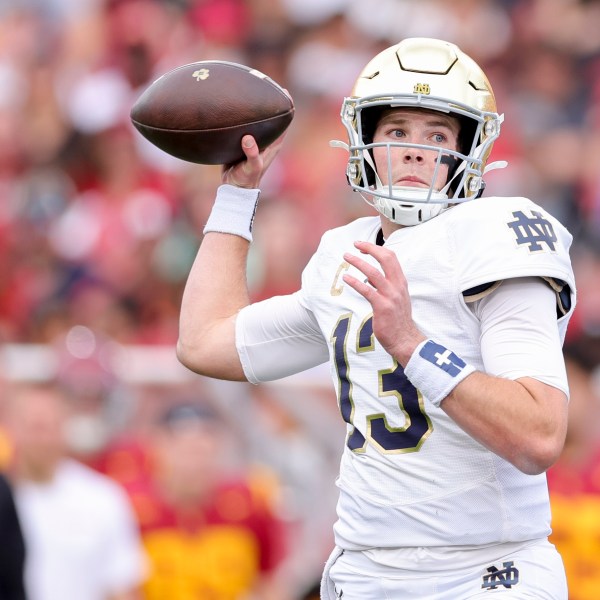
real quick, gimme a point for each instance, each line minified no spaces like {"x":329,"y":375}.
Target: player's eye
{"x":439,"y":138}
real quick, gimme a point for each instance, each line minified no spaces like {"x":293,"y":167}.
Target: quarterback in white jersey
{"x":443,"y":320}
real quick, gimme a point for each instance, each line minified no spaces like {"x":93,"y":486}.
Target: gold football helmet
{"x":429,"y":74}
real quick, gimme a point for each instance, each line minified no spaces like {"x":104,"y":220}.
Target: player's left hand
{"x":387,"y":292}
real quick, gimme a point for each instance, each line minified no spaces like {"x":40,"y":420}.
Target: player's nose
{"x":410,"y":155}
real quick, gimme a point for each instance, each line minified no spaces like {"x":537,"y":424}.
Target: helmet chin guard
{"x":427,"y":74}
{"x":395,"y":205}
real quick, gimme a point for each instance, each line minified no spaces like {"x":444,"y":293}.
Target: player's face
{"x":414,"y":167}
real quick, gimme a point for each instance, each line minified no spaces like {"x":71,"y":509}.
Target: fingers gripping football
{"x":248,"y":172}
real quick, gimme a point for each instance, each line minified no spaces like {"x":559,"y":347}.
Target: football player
{"x":442,"y":318}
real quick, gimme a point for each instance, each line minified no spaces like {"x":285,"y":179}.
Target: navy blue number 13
{"x":392,"y":383}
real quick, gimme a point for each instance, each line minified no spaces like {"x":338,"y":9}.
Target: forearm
{"x":215,"y":291}
{"x":523,"y":421}
{"x":216,"y":288}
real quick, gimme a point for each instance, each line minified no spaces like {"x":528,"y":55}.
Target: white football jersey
{"x":409,"y":475}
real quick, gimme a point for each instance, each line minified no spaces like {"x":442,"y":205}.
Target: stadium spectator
{"x":80,"y":531}
{"x":208,"y":534}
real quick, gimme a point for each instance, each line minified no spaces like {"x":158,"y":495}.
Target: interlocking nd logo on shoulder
{"x":535,"y":230}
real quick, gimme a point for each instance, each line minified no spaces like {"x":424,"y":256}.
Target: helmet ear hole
{"x":466,"y":136}
{"x":369,"y":118}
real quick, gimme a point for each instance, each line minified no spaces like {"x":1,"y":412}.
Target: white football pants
{"x":535,"y":570}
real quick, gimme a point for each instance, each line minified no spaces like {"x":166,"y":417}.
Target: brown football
{"x":199,"y":112}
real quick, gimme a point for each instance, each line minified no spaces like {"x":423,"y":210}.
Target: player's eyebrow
{"x":433,"y":121}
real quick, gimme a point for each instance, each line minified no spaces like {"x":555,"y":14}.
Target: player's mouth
{"x":412,"y":180}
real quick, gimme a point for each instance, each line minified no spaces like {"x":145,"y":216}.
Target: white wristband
{"x":233,"y":211}
{"x":435,"y":371}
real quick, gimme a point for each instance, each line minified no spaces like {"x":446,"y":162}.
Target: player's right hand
{"x":386,"y":289}
{"x":248,"y":173}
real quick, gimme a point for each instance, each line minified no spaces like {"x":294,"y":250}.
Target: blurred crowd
{"x":98,"y":230}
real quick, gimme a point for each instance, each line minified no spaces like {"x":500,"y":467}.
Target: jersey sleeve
{"x":510,"y":238}
{"x":519,"y":333}
{"x":278,"y":337}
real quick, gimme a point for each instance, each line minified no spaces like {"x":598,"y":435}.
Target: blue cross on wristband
{"x":443,"y":358}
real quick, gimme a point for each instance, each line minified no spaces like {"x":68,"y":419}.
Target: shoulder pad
{"x":502,"y":238}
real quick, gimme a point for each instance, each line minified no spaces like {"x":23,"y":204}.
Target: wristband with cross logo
{"x":435,"y":371}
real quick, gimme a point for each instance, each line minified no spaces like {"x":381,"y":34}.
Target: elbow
{"x":532,"y":465}
{"x":198,"y":358}
{"x":543,"y":440}
{"x":539,"y":457}
{"x":210,"y":360}
{"x":189,"y":357}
